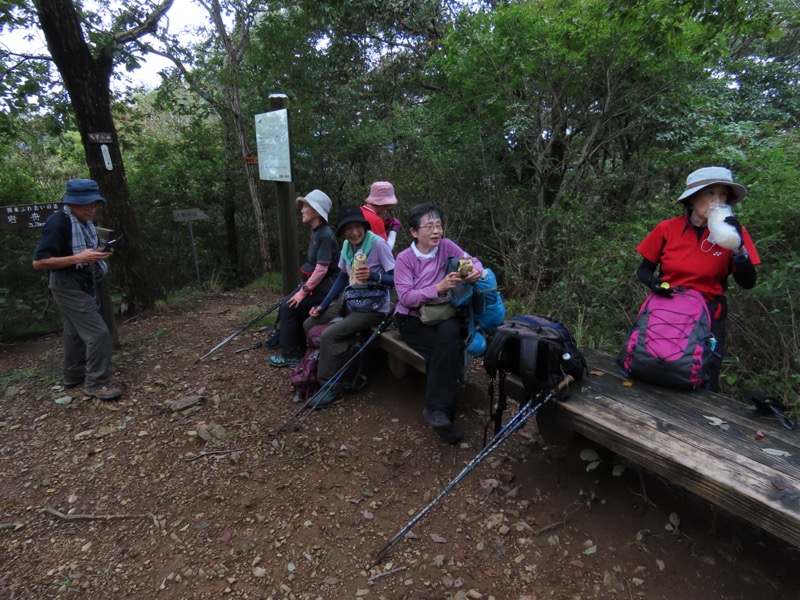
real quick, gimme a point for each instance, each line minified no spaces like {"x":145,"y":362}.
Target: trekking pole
{"x":245,"y":327}
{"x":338,"y":375}
{"x":515,"y":423}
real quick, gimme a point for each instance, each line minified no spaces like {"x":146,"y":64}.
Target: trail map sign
{"x":272,"y":140}
{"x":188,"y":214}
{"x":27,"y":216}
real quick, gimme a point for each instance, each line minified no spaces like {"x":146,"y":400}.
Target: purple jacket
{"x":415,"y":279}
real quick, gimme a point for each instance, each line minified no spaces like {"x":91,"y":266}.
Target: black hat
{"x":348,"y":214}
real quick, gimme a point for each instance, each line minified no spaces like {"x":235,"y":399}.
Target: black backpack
{"x":540,"y":350}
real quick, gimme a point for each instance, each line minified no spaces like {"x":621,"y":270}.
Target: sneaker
{"x":103,"y":392}
{"x":283,"y":361}
{"x":328,"y":398}
{"x":437,"y":418}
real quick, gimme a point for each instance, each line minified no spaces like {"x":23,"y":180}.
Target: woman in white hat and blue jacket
{"x":686,"y":256}
{"x":318,"y":274}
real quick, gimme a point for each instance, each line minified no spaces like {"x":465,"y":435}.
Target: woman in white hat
{"x":318,"y":274}
{"x":686,"y":256}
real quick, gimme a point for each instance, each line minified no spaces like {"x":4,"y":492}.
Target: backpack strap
{"x":528,"y":355}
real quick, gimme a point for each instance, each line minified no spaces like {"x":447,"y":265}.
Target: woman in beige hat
{"x":686,"y":256}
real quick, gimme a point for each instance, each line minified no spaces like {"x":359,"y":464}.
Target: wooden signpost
{"x":189,"y":215}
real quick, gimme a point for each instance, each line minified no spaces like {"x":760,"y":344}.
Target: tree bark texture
{"x":87,"y":78}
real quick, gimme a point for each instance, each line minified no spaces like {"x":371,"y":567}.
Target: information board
{"x":27,"y":216}
{"x":272,"y":141}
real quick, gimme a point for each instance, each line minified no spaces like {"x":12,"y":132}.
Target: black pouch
{"x":371,"y":297}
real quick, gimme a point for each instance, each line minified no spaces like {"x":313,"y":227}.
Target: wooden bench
{"x":672,"y":433}
{"x":400,"y":354}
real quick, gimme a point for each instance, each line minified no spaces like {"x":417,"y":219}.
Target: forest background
{"x":554,"y":134}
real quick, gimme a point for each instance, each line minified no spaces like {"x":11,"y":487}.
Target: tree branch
{"x":149,"y":25}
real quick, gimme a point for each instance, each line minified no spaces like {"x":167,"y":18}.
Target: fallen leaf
{"x":438,"y":560}
{"x":438,"y":539}
{"x":627,"y":383}
{"x":715,"y":421}
{"x":598,"y":373}
{"x":411,"y":536}
{"x":447,"y":581}
{"x":760,"y":435}
{"x":775,"y":452}
{"x":368,"y":515}
{"x":778,"y":483}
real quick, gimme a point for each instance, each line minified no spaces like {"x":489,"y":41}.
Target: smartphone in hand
{"x":110,"y":244}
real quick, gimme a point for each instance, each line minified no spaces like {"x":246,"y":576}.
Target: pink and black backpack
{"x":670,"y":343}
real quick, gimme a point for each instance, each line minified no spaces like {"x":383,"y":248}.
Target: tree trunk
{"x":87,"y":81}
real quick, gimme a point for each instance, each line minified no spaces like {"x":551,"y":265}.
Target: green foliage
{"x":554,"y":135}
{"x":15,"y":376}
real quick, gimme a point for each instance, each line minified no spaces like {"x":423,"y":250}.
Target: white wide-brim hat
{"x":319,"y":201}
{"x":707,"y":176}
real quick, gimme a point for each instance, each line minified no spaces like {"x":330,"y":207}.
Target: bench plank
{"x":666,"y":432}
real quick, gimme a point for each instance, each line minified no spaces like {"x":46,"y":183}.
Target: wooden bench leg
{"x":397,"y":366}
{"x":550,"y":429}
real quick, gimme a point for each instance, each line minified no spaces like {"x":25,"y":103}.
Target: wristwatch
{"x":305,"y":288}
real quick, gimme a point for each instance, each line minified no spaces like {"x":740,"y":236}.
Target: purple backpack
{"x":304,"y":376}
{"x":670,"y":343}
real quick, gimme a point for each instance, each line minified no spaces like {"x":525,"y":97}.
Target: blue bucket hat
{"x":82,"y":191}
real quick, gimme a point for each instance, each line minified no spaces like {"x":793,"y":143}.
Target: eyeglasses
{"x":432,"y":227}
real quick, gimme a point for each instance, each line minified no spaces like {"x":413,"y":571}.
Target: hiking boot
{"x":328,"y":398}
{"x":437,"y":418}
{"x":452,"y":434}
{"x":68,"y":385}
{"x":283,"y":361}
{"x":103,"y":392}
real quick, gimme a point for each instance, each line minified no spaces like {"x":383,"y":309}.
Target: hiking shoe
{"x":437,"y":418}
{"x":452,"y":434}
{"x":283,"y":361}
{"x":328,"y":398}
{"x":103,"y":392}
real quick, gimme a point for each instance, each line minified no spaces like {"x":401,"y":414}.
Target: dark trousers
{"x":442,"y":347}
{"x":719,"y":327}
{"x":291,"y":335}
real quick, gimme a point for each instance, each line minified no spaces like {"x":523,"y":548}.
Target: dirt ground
{"x":133,"y":499}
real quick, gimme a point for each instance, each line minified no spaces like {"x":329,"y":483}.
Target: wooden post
{"x":287,"y":215}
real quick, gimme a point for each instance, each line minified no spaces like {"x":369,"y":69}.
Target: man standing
{"x":69,"y":251}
